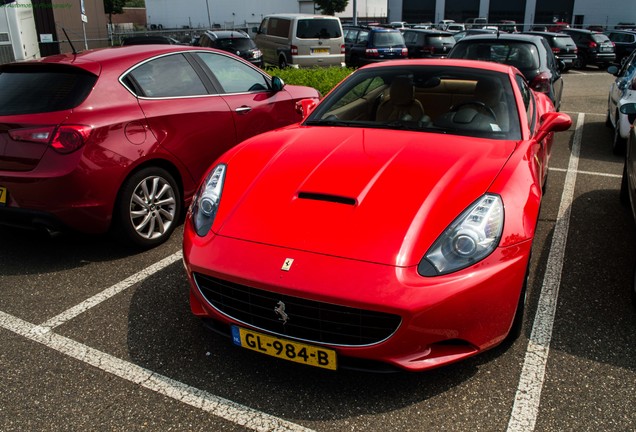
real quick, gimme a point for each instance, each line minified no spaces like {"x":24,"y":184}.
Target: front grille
{"x":308,"y":320}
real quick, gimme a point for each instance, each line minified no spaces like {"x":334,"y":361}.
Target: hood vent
{"x":326,"y":197}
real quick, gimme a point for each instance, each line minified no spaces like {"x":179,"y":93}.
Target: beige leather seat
{"x":489,"y":92}
{"x":401,"y":103}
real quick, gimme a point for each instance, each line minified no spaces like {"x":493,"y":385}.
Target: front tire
{"x":634,"y":288}
{"x":618,"y":144}
{"x":148,"y":208}
{"x":624,"y":193}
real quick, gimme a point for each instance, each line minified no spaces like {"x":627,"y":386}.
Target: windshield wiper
{"x":328,"y":122}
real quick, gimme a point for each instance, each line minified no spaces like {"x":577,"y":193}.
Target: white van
{"x":301,"y":40}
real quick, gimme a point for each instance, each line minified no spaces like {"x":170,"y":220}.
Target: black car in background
{"x":473,"y":31}
{"x":149,"y":40}
{"x":234,"y":41}
{"x":365,"y":45}
{"x":594,"y":48}
{"x":563,"y":47}
{"x":530,"y":54}
{"x":428,"y":43}
{"x":624,"y":42}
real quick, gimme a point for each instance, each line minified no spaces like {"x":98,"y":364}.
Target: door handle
{"x":243,"y":109}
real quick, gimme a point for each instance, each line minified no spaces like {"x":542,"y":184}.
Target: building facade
{"x":583,"y":13}
{"x":168,"y":14}
{"x":18,"y":40}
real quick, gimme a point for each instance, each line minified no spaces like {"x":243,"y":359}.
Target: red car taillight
{"x":556,"y":50}
{"x":342,"y":49}
{"x":372,"y":52}
{"x":294,"y":50}
{"x":65,"y":139}
{"x":592,"y":44}
{"x":405,"y":52}
{"x":541,"y":83}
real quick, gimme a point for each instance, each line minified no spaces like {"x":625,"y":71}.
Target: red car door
{"x":186,"y":120}
{"x":255,"y":107}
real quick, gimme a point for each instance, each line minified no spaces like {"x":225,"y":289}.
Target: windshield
{"x":449,"y":100}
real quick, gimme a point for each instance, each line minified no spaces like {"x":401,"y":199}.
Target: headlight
{"x":206,"y":201}
{"x":470,"y":238}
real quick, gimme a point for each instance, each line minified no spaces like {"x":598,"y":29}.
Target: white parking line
{"x":106,"y":294}
{"x":220,"y":407}
{"x":593,"y":173}
{"x":526,"y":406}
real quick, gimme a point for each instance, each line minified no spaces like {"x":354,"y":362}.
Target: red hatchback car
{"x":121,"y":137}
{"x":392,"y":227}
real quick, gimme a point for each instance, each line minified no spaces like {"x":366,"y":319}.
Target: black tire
{"x":148,"y":208}
{"x":624,"y":193}
{"x":282,"y":62}
{"x":634,"y":288}
{"x":517,"y":322}
{"x":580,"y":62}
{"x":618,"y":143}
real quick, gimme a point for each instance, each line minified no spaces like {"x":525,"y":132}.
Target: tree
{"x":113,"y":7}
{"x":330,"y":7}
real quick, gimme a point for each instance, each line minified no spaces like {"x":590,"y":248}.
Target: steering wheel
{"x":482,"y":107}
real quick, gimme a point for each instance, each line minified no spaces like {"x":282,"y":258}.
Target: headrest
{"x":402,"y":91}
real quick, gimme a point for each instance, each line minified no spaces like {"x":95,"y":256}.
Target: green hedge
{"x":322,"y":79}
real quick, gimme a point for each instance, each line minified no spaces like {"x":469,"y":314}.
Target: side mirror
{"x":613,"y":69}
{"x":277,"y":84}
{"x":305,"y":107}
{"x":561,"y":65}
{"x":629,"y":109}
{"x":553,"y":122}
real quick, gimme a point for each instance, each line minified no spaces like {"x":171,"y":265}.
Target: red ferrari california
{"x":121,"y":137}
{"x":392,"y":228}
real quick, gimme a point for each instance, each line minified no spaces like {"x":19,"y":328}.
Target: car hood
{"x":366,"y":194}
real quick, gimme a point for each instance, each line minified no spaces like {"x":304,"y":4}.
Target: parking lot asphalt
{"x":96,"y":337}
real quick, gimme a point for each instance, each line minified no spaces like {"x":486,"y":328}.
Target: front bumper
{"x":443,"y":319}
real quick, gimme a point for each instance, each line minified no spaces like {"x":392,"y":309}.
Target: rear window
{"x":441,"y":40}
{"x":600,"y":38}
{"x":235,"y":44}
{"x":318,"y":28}
{"x":387,"y":39}
{"x":523,"y":56}
{"x":563,"y":42}
{"x":33,"y":90}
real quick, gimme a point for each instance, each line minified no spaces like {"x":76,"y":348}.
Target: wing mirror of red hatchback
{"x":553,"y":122}
{"x":277,"y":84}
{"x":305,"y":107}
{"x":629,"y":109}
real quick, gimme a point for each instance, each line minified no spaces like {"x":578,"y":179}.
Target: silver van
{"x":301,"y":40}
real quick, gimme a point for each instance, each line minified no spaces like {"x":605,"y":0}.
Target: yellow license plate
{"x":284,"y":348}
{"x":3,"y":196}
{"x":320,"y":50}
